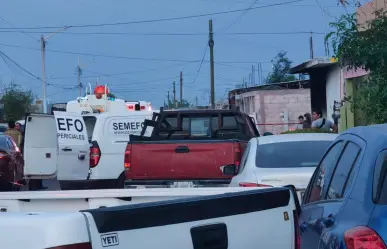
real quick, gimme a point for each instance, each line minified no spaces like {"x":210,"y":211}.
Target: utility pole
{"x":43,"y":41}
{"x":44,"y":83}
{"x":311,"y":45}
{"x":174,"y":94}
{"x":211,"y":45}
{"x":181,"y":87}
{"x":167,"y":100}
{"x":79,"y":73}
{"x":196,"y":101}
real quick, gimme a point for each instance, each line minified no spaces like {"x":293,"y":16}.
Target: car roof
{"x":296,"y":137}
{"x":370,"y":134}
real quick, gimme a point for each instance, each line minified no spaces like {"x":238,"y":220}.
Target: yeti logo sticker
{"x":110,"y":239}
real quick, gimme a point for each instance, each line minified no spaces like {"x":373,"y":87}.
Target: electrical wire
{"x":101,"y":55}
{"x":8,"y":60}
{"x":130,"y":58}
{"x":170,"y":34}
{"x":243,"y":13}
{"x":124,"y":73}
{"x":24,"y":33}
{"x":162,"y":19}
{"x":200,"y":66}
{"x":65,"y":90}
{"x":323,"y":10}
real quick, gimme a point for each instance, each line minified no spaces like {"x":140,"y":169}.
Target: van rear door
{"x":40,"y":147}
{"x":73,"y":146}
{"x":56,"y":147}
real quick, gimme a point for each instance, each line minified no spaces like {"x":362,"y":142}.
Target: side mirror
{"x":228,"y":170}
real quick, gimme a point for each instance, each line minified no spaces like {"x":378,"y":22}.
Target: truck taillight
{"x":86,"y":245}
{"x":128,"y":157}
{"x":237,"y":156}
{"x":363,"y":237}
{"x":142,"y":107}
{"x":95,"y":154}
{"x":297,"y":232}
{"x":130,"y":107}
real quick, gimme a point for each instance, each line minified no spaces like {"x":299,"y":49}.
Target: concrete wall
{"x":366,"y":12}
{"x":269,"y":107}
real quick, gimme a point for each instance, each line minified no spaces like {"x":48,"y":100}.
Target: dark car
{"x":345,"y":204}
{"x":11,"y":164}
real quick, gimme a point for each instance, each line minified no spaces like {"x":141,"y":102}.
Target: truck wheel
{"x":121,"y":181}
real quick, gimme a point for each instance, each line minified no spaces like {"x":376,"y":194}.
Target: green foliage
{"x":281,"y":67}
{"x":364,"y":48}
{"x":16,"y":102}
{"x":111,"y":95}
{"x":183,"y":103}
{"x":308,"y":130}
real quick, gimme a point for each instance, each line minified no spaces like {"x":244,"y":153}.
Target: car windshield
{"x":291,"y":154}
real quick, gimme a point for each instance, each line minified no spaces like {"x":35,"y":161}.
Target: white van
{"x":108,"y":135}
{"x":105,"y":138}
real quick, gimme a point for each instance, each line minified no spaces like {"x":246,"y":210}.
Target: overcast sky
{"x":140,"y":64}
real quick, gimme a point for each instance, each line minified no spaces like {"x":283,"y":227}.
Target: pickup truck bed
{"x":188,"y":147}
{"x":163,"y":162}
{"x":246,"y":219}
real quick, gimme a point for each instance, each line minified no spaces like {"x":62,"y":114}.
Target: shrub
{"x":308,"y":130}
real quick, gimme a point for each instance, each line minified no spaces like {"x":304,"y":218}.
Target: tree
{"x":366,"y":48}
{"x":16,"y":101}
{"x":281,"y":67}
{"x":111,"y":95}
{"x":183,"y":103}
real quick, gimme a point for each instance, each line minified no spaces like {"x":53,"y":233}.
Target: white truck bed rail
{"x":237,"y":218}
{"x":58,"y":201}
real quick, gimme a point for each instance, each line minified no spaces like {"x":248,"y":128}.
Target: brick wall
{"x":270,"y":105}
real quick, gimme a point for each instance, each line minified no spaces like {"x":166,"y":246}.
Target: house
{"x":326,"y":85}
{"x":274,"y":107}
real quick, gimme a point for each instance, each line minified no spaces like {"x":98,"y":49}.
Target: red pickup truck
{"x":187,"y":148}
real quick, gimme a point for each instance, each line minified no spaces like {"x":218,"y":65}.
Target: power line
{"x":9,"y":61}
{"x":24,"y":33}
{"x":200,"y":66}
{"x":169,"y":34}
{"x":322,"y":8}
{"x":101,"y":55}
{"x":130,"y":58}
{"x":96,"y":74}
{"x":249,"y":8}
{"x":163,"y":19}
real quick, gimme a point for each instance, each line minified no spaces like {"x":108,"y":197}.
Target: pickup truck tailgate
{"x":247,"y":220}
{"x":180,"y":160}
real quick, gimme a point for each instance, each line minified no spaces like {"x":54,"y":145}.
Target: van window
{"x":90,"y":124}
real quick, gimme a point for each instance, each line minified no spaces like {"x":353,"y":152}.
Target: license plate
{"x":182,"y":185}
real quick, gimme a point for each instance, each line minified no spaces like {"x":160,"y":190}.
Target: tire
{"x":120,"y":183}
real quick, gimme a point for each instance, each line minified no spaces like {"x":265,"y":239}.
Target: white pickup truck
{"x":208,"y":218}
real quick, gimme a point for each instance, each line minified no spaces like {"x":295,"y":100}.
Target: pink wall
{"x":269,"y":104}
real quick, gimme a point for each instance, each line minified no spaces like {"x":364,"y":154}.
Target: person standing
{"x":14,"y":133}
{"x":322,"y":123}
{"x":307,"y":121}
{"x":300,"y":122}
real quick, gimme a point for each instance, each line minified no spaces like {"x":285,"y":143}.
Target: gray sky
{"x":141,"y":65}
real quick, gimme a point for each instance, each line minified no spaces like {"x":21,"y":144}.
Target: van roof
{"x":118,"y":114}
